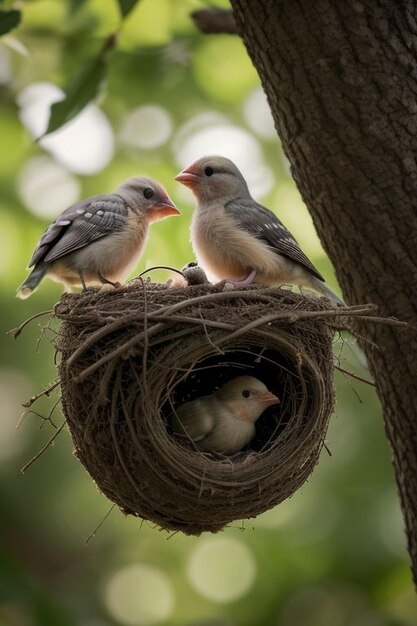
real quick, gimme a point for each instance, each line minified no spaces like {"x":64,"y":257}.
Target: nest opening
{"x":269,"y":366}
{"x":129,"y":357}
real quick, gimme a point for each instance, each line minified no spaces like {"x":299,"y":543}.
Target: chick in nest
{"x":224,"y":421}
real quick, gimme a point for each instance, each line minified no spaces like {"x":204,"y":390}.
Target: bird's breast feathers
{"x":113,"y":256}
{"x":224,"y":250}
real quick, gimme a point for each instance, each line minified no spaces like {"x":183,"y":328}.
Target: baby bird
{"x":99,"y":240}
{"x":236,"y":239}
{"x":224,"y":421}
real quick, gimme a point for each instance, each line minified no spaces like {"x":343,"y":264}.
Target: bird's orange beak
{"x":162,"y":209}
{"x":269,"y":399}
{"x":188,"y":177}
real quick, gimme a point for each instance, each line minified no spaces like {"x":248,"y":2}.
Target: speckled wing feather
{"x":79,"y":225}
{"x":263,"y":224}
{"x":194,"y":419}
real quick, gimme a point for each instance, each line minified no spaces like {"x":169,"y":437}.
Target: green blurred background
{"x":333,"y":555}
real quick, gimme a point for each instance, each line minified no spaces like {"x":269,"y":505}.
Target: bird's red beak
{"x":269,"y":399}
{"x":162,"y":209}
{"x":188,"y":177}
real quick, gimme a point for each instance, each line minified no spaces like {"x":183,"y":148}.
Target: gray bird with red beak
{"x":238,"y":240}
{"x":99,"y":240}
{"x":224,"y":421}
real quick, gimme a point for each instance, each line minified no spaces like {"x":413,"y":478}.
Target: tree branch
{"x":215,"y":21}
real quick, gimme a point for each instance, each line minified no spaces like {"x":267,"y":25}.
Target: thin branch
{"x":44,"y":449}
{"x":214,"y":21}
{"x":209,"y":339}
{"x":99,"y":525}
{"x":355,"y":376}
{"x":46,"y":392}
{"x":15,"y":332}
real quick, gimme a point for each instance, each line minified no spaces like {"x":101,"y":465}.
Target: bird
{"x":238,"y":240}
{"x":224,"y":421}
{"x":99,"y":240}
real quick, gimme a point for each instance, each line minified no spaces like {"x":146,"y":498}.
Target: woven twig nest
{"x":130,"y":356}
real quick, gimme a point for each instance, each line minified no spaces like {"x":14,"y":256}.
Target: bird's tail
{"x":32,"y":281}
{"x":324,"y":289}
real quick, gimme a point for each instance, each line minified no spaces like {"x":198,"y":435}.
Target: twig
{"x":174,"y":308}
{"x":46,"y":392}
{"x":99,"y":525}
{"x":355,"y":376}
{"x":209,"y":339}
{"x":45,"y":447}
{"x":145,"y":336}
{"x":153,"y":330}
{"x":159,"y":267}
{"x":15,"y":332}
{"x":114,"y":436}
{"x":214,"y":21}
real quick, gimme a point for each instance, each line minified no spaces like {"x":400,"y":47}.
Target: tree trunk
{"x":341,"y":80}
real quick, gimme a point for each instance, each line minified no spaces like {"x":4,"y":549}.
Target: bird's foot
{"x":107,"y":287}
{"x":232,"y":284}
{"x":106,"y":281}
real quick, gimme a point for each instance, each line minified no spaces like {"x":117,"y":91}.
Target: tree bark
{"x":341,"y":80}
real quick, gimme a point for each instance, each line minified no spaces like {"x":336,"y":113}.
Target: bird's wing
{"x":81,"y":224}
{"x":194,"y":419}
{"x":264,"y":225}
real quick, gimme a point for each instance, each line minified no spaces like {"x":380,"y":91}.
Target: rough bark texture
{"x":341,"y":79}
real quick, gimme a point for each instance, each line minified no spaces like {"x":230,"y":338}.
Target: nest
{"x":130,"y":356}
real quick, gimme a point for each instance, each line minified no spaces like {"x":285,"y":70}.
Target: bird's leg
{"x":106,"y":281}
{"x":246,"y":281}
{"x":81,"y":275}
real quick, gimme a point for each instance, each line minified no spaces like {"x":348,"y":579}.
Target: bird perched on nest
{"x":99,"y":240}
{"x":236,"y":239}
{"x":224,"y":421}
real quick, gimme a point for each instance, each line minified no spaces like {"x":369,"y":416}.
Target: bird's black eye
{"x":148,"y":193}
{"x":246,"y":393}
{"x":208,"y":171}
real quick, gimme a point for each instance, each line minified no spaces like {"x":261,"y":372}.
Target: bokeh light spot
{"x":258,"y":114}
{"x":230,"y":141}
{"x":223,"y":70}
{"x":221,"y":569}
{"x":46,"y":188}
{"x":85,"y":145}
{"x":146,"y":127}
{"x":139,"y":595}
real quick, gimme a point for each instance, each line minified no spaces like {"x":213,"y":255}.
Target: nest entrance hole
{"x":275,"y":370}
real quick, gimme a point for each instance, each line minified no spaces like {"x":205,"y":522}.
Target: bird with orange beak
{"x":99,"y":240}
{"x":224,"y":421}
{"x":238,"y":240}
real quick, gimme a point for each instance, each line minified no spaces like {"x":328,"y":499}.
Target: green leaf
{"x":81,"y":90}
{"x":9,"y":20}
{"x":126,"y":6}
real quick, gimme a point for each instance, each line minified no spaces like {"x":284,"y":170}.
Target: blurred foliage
{"x":8,"y":20}
{"x":335,"y":553}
